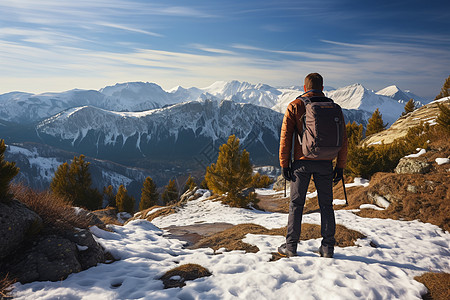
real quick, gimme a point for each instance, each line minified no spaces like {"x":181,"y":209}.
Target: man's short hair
{"x":314,"y":81}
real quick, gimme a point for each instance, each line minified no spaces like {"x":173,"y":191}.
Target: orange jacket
{"x":291,"y":120}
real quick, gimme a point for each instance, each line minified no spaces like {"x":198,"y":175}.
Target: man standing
{"x":303,"y":165}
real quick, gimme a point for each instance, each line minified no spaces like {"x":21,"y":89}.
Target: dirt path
{"x":193,"y":233}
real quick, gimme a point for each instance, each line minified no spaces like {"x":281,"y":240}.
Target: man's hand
{"x":287,"y":174}
{"x":338,"y":174}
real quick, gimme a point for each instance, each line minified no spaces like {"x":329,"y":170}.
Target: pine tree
{"x":190,"y":184}
{"x":149,"y":195}
{"x":73,"y":182}
{"x":170,"y":194}
{"x":124,"y":201}
{"x":109,"y":195}
{"x":409,"y":107}
{"x":445,"y":90}
{"x":444,"y":117}
{"x":231,"y":174}
{"x":354,"y":133}
{"x":7,"y":172}
{"x":375,"y":124}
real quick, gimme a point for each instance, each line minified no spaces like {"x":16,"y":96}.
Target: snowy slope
{"x":204,"y":118}
{"x":244,"y":92}
{"x":406,"y":249}
{"x":358,"y":97}
{"x":38,"y":164}
{"x":135,"y":96}
{"x":401,"y":96}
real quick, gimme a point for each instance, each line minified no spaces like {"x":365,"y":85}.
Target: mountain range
{"x":167,"y":133}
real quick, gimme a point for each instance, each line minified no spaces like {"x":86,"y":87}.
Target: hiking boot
{"x":325,"y":252}
{"x":284,"y":251}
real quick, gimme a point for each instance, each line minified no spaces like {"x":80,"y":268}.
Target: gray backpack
{"x":323,"y":128}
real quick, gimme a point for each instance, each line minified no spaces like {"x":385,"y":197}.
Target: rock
{"x":16,"y":222}
{"x":413,"y":165}
{"x":90,"y":253}
{"x":379,"y":200}
{"x":411,"y":188}
{"x":55,"y":256}
{"x":51,"y":258}
{"x":189,"y":195}
{"x":246,"y":192}
{"x":279,"y":184}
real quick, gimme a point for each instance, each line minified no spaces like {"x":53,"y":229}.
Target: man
{"x":301,"y":169}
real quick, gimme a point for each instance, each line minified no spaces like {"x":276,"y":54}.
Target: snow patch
{"x":441,"y":161}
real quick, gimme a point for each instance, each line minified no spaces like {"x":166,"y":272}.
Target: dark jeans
{"x":322,"y":172}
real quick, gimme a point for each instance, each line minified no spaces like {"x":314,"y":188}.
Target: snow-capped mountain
{"x":244,"y":92}
{"x":178,"y":131}
{"x":135,"y":96}
{"x":357,"y":97}
{"x":26,"y":108}
{"x":401,"y":96}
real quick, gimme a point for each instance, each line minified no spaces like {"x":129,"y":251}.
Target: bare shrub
{"x":56,"y":213}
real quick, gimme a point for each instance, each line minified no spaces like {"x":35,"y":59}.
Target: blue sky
{"x":56,"y":45}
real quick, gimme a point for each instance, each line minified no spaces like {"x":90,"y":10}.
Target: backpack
{"x":323,"y":128}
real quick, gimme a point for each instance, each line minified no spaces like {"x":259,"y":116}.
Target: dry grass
{"x":438,"y":285}
{"x":429,"y":203}
{"x":56,"y":213}
{"x":107,"y":215}
{"x":6,"y":286}
{"x":231,"y":238}
{"x":185,"y":272}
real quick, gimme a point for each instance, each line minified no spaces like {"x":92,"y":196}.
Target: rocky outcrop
{"x":51,"y":258}
{"x":30,"y":251}
{"x":280,"y":184}
{"x":413,"y":165}
{"x":427,"y":113}
{"x":16,"y":222}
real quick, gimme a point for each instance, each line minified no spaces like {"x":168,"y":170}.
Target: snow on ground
{"x":421,"y":152}
{"x":442,"y":160}
{"x":405,"y":249}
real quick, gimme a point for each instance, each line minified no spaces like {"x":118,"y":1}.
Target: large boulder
{"x":16,"y":222}
{"x":413,"y":165}
{"x":50,"y":258}
{"x":54,"y":256}
{"x":280,"y":183}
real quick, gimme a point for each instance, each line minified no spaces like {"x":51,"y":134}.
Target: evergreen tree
{"x":73,"y":182}
{"x":444,"y":117}
{"x":124,"y":201}
{"x":409,"y":107}
{"x":375,"y":124}
{"x":261,"y":181}
{"x":7,"y":172}
{"x":231,"y":174}
{"x":170,"y":193}
{"x":354,"y":133}
{"x":190,"y":184}
{"x":204,"y":184}
{"x":445,"y":90}
{"x":109,"y":195}
{"x":149,"y":195}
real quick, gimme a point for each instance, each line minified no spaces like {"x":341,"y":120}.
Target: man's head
{"x":313,"y":81}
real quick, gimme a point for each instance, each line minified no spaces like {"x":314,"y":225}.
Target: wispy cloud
{"x":128,"y":28}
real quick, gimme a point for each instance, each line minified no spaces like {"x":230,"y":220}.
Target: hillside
{"x":427,"y":113}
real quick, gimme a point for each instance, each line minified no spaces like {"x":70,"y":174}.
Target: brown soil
{"x":186,"y":272}
{"x":231,"y":239}
{"x":194,"y":233}
{"x":279,"y":203}
{"x":438,"y":285}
